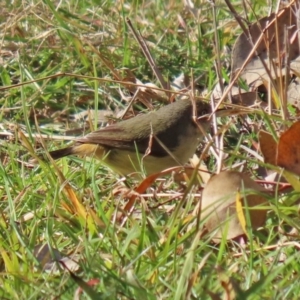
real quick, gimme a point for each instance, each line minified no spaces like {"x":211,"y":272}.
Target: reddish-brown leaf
{"x":288,"y":151}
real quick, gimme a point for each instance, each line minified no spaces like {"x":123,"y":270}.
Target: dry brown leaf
{"x":285,"y":154}
{"x":49,"y":257}
{"x":246,"y":98}
{"x":146,"y":183}
{"x":270,"y":34}
{"x":288,"y":152}
{"x":219,"y":210}
{"x":268,"y":147}
{"x":238,"y":96}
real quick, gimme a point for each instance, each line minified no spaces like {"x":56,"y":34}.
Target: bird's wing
{"x":124,"y":135}
{"x":167,"y":124}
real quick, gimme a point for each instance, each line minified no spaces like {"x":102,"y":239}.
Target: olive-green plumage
{"x":163,"y":138}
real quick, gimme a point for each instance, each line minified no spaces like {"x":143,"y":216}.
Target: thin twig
{"x":147,"y":54}
{"x":41,"y":136}
{"x":218,"y":65}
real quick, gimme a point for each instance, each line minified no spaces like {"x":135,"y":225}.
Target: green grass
{"x":158,"y":252}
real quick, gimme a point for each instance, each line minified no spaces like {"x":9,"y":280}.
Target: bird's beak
{"x":226,"y":112}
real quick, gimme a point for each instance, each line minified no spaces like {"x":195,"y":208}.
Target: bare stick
{"x":147,"y":54}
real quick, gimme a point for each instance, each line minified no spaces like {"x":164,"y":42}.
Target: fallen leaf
{"x":283,"y":155}
{"x":268,"y":147}
{"x":49,"y":257}
{"x":219,"y":210}
{"x":238,"y":95}
{"x":269,"y":36}
{"x":288,"y":151}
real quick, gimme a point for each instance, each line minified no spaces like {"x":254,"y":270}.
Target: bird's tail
{"x":79,"y":149}
{"x":56,"y":154}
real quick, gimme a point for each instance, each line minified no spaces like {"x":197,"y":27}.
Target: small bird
{"x":157,"y":140}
